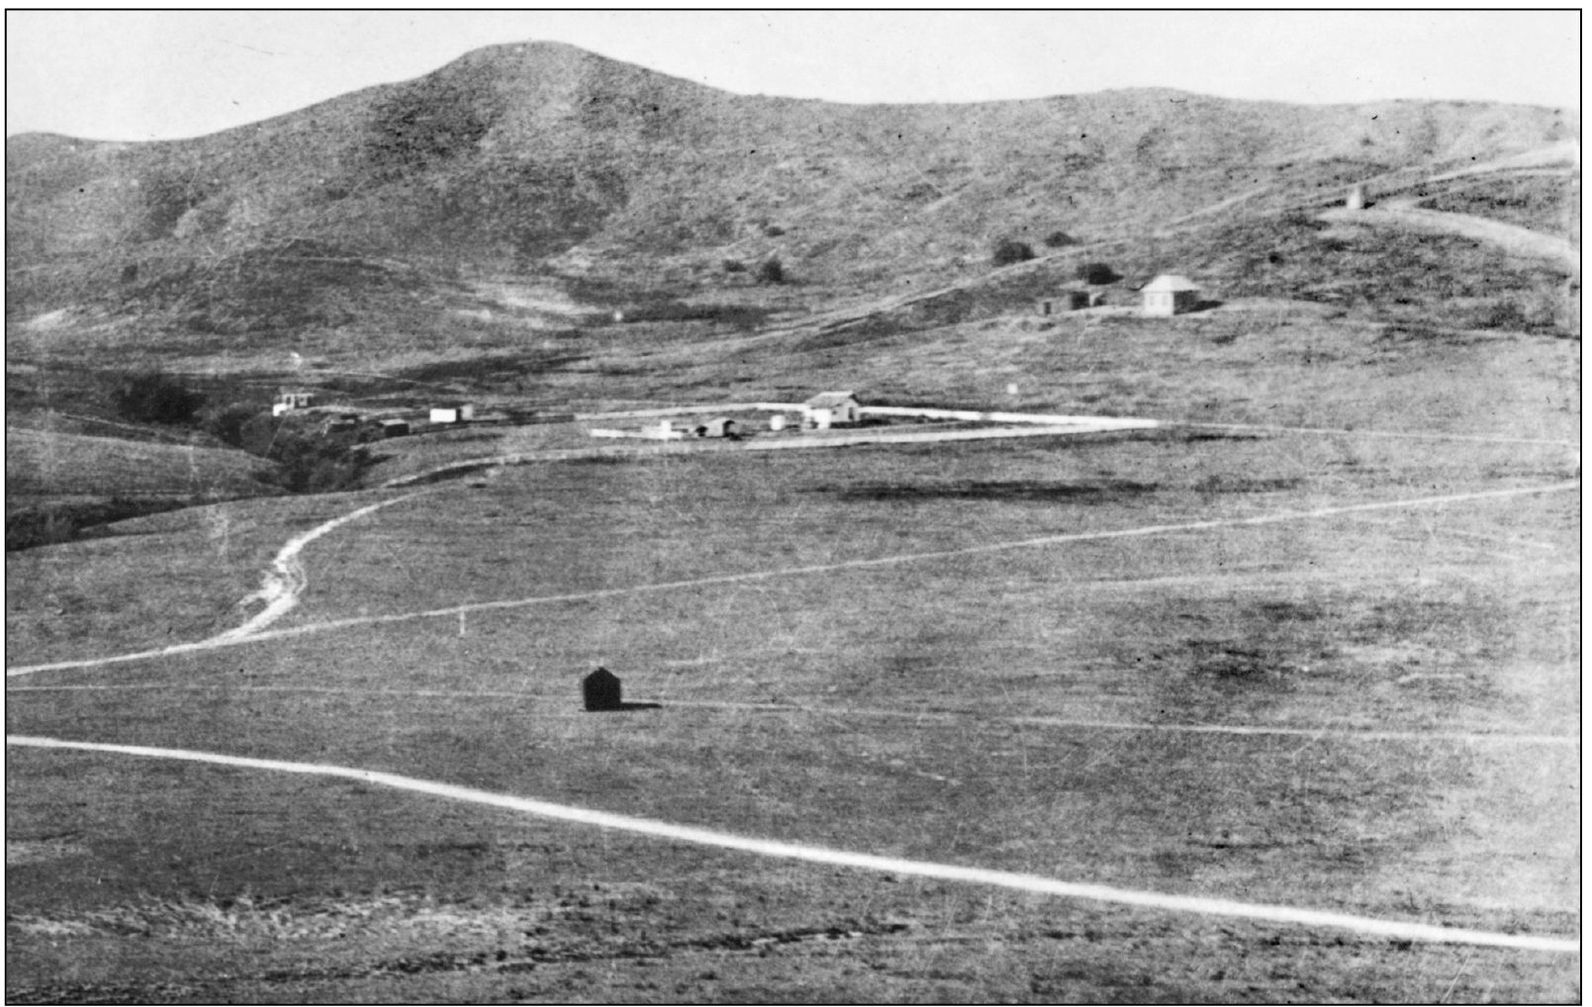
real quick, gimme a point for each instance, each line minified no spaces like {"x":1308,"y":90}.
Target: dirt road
{"x":1404,"y":215}
{"x":1030,"y":883}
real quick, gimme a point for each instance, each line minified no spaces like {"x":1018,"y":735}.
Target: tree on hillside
{"x":1008,"y":251}
{"x":1097,"y":273}
{"x":771,"y":271}
{"x":1059,"y":239}
{"x":153,"y":397}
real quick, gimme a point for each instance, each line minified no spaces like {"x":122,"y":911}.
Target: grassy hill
{"x":480,"y":230}
{"x":542,"y":160}
{"x":1310,"y":643}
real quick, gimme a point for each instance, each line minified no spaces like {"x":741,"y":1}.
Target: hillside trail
{"x":282,"y":585}
{"x":282,"y":598}
{"x":1404,"y":214}
{"x":285,"y":582}
{"x":1557,"y":158}
{"x":1228,"y":203}
{"x":258,"y":633}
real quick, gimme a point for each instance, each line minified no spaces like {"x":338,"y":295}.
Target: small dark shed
{"x":600,"y":690}
{"x":1069,"y":300}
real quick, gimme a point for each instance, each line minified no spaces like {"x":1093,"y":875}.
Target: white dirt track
{"x":289,"y":576}
{"x":1403,"y":215}
{"x":258,"y":632}
{"x":1031,"y":883}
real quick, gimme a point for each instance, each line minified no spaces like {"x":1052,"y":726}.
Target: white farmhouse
{"x":830,"y":409}
{"x":1169,"y":294}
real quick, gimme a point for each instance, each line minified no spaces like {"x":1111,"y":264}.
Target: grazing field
{"x":1273,"y":698}
{"x":46,"y":463}
{"x":988,"y":655}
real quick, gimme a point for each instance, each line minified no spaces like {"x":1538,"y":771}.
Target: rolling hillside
{"x":1250,"y":672}
{"x":545,"y":161}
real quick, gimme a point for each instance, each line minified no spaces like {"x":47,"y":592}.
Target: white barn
{"x":452,"y":414}
{"x":1170,"y":294}
{"x":831,"y":409}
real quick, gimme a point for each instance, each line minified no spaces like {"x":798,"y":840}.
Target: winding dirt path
{"x":1031,"y":883}
{"x":283,"y":585}
{"x":1402,"y":214}
{"x":454,"y":611}
{"x":285,"y":581}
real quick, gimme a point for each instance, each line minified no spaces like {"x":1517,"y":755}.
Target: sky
{"x":118,"y":75}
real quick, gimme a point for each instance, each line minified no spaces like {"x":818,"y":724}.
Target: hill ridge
{"x":545,"y":159}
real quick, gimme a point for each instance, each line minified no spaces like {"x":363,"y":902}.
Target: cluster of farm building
{"x":335,"y":418}
{"x":1164,"y":296}
{"x":821,"y":412}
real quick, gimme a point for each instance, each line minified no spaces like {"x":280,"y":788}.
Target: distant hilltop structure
{"x":1170,"y":294}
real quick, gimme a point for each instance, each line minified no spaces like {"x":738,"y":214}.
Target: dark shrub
{"x":153,"y":397}
{"x":771,"y":271}
{"x":54,"y":523}
{"x":1097,"y":273}
{"x":308,"y":461}
{"x":226,"y":423}
{"x":734,"y":266}
{"x":1008,"y":251}
{"x":1059,"y":239}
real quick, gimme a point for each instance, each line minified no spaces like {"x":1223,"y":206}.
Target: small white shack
{"x":452,"y":414}
{"x":292,"y":399}
{"x":1169,"y":294}
{"x":831,"y":409}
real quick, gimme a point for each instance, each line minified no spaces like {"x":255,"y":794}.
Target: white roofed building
{"x":1170,"y":294}
{"x":831,"y":409}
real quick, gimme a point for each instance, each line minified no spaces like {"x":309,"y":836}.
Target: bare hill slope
{"x":546,"y":159}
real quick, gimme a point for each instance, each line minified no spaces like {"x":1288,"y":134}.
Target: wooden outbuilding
{"x":1067,"y":300}
{"x":601,"y":691}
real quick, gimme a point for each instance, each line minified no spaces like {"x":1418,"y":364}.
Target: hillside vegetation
{"x":541,"y":160}
{"x":545,"y":230}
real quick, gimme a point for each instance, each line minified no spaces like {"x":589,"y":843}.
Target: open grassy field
{"x":1312,"y":643}
{"x":51,"y":463}
{"x":1015,"y":708}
